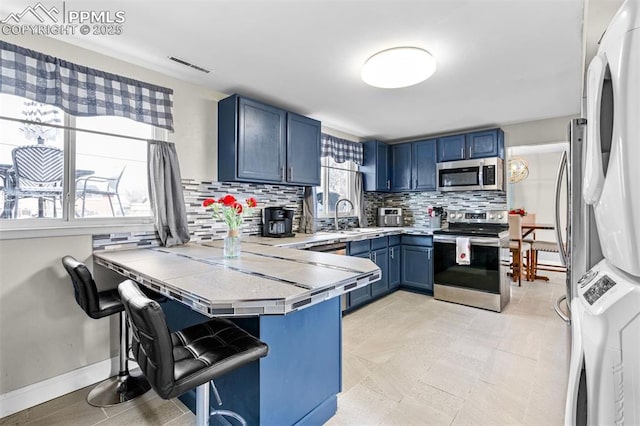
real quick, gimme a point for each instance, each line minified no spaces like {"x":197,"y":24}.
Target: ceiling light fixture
{"x":398,"y":67}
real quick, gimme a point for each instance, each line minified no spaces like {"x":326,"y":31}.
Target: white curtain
{"x":165,"y":193}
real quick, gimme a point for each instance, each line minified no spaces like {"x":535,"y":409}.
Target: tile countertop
{"x":265,"y":279}
{"x":303,"y":241}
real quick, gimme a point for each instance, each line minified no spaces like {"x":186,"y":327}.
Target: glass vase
{"x":232,"y":244}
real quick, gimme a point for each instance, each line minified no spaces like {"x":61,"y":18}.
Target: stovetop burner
{"x":478,"y":232}
{"x":475,"y":223}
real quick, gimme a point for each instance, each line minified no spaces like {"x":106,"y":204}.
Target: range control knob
{"x":499,"y":216}
{"x":459,"y":215}
{"x":491,"y":217}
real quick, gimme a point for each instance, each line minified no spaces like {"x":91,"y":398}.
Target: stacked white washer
{"x":606,"y":309}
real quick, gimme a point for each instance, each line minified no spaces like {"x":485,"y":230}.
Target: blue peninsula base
{"x":297,"y":382}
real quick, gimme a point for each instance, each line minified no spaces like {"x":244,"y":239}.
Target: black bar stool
{"x":123,"y":387}
{"x":190,"y":358}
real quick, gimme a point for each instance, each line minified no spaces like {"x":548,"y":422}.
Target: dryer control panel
{"x":597,"y":290}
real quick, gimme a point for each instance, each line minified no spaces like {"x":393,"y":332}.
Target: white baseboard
{"x":37,"y":393}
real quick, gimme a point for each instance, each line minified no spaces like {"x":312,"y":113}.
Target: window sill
{"x":20,"y":231}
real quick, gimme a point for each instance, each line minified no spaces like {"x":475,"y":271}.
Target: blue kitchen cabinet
{"x":361,"y":295}
{"x":417,"y":263}
{"x":303,"y":150}
{"x":375,"y":167}
{"x":488,"y":143}
{"x":264,"y":144}
{"x":401,"y":167}
{"x":376,"y":250}
{"x":381,"y":258}
{"x":451,"y":148}
{"x":394,"y":267}
{"x":424,"y":165}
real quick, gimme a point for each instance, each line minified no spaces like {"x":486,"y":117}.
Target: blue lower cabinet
{"x":361,"y":295}
{"x":297,"y":382}
{"x":381,"y":258}
{"x":394,"y":267}
{"x":417,"y":268}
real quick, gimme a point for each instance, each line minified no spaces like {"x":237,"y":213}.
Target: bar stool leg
{"x":123,"y":387}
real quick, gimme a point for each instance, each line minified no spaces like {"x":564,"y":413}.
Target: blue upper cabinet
{"x":482,"y":144}
{"x":375,"y":169}
{"x":303,"y":150}
{"x":264,"y":144}
{"x":424,"y":165}
{"x":488,"y":143}
{"x":401,"y":167}
{"x":451,"y":148}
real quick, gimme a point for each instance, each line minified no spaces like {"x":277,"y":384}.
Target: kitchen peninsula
{"x":288,"y":298}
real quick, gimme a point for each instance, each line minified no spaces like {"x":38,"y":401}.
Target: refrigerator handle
{"x":562,"y":249}
{"x":556,"y":307}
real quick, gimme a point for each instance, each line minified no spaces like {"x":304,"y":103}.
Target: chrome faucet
{"x":336,"y":210}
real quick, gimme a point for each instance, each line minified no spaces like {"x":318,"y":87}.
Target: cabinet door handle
{"x":290,"y":173}
{"x":392,"y":252}
{"x":281,"y":173}
{"x":388,"y":184}
{"x":416,"y":184}
{"x":429,"y":255}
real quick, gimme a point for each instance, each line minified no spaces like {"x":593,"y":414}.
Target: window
{"x":89,"y":167}
{"x":337,"y":182}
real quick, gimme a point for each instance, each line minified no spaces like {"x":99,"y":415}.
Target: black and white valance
{"x":341,"y":150}
{"x":82,"y":91}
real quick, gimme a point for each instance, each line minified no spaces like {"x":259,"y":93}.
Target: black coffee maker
{"x":277,"y":222}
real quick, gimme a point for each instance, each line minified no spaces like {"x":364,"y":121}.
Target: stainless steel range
{"x":477,"y":278}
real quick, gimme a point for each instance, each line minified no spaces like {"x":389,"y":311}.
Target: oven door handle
{"x":475,"y":241}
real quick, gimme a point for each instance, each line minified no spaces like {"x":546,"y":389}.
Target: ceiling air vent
{"x":188,"y":64}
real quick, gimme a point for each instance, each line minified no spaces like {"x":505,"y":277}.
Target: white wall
{"x":43,"y":332}
{"x":195,"y":110}
{"x":537,"y":132}
{"x":536,"y":193}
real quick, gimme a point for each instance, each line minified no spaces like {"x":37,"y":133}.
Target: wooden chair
{"x":518,"y":249}
{"x":546,"y":246}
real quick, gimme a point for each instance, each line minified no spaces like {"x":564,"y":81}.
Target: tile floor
{"x":409,"y":359}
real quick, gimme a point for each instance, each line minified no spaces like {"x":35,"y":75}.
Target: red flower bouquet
{"x":230,"y":210}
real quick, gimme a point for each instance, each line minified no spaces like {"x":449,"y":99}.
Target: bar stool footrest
{"x":116,"y":390}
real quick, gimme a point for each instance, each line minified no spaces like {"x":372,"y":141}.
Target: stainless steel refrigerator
{"x":577,"y":238}
{"x":577,"y":235}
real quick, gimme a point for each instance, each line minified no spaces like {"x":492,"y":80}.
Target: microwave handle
{"x":480,"y":174}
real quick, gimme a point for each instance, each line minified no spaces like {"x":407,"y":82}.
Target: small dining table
{"x":528,"y":229}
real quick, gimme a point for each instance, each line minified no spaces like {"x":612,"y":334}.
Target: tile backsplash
{"x":415,"y":204}
{"x":203,"y":227}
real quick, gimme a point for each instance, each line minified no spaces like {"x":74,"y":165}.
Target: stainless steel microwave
{"x":483,"y":174}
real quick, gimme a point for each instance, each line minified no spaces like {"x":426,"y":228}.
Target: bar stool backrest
{"x":84,"y":287}
{"x":515,"y":227}
{"x":151,"y":343}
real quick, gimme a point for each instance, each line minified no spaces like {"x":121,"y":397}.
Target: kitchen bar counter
{"x":288,"y":298}
{"x":263,"y":280}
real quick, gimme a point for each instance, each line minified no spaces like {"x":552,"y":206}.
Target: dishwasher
{"x":333,"y":248}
